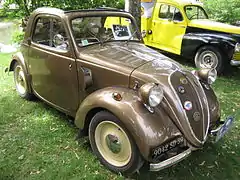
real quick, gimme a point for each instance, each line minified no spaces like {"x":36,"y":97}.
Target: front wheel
{"x":113,"y":145}
{"x":210,"y":57}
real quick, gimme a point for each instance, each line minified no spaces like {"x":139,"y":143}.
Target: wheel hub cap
{"x":113,"y":143}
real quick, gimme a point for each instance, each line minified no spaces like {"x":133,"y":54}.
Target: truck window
{"x":170,"y":12}
{"x":195,"y":12}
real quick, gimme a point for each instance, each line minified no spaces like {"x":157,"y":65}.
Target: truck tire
{"x":211,"y":57}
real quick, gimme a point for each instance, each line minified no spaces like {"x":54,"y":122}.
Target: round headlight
{"x":212,"y":76}
{"x":207,"y":75}
{"x":151,"y":94}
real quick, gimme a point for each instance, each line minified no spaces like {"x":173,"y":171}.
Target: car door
{"x":52,"y":64}
{"x":169,"y":27}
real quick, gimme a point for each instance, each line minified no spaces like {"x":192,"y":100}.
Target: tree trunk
{"x":134,"y":7}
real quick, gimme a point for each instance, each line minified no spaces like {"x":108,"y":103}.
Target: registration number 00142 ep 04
{"x":167,"y":146}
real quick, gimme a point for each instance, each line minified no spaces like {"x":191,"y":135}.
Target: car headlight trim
{"x":207,"y":75}
{"x":237,"y":47}
{"x":151,"y":94}
{"x":212,"y":76}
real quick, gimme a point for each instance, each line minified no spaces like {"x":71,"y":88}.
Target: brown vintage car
{"x":135,"y":104}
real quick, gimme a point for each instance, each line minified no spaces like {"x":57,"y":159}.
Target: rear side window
{"x":170,"y":12}
{"x":48,"y":30}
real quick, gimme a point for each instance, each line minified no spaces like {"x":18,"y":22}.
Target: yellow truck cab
{"x":182,"y":27}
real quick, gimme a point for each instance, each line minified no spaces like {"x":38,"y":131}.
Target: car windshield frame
{"x":199,"y":7}
{"x":135,"y":33}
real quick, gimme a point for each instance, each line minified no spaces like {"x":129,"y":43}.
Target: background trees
{"x":223,"y":10}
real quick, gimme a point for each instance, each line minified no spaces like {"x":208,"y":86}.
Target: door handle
{"x":70,"y":67}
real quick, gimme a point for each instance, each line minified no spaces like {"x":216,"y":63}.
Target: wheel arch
{"x":131,"y":112}
{"x":192,"y":42}
{"x":18,"y":58}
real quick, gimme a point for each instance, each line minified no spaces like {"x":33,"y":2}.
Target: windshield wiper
{"x":131,"y":36}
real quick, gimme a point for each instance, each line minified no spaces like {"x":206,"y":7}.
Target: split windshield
{"x":93,"y":30}
{"x":195,"y":12}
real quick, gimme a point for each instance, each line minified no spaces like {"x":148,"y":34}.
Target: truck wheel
{"x":113,"y":145}
{"x":21,"y":82}
{"x":210,"y":57}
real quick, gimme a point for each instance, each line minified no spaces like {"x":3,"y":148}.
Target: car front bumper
{"x":171,"y":161}
{"x":236,"y":60}
{"x":219,"y":133}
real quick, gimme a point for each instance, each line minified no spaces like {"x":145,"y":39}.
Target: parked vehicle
{"x":182,"y":27}
{"x":134,"y":103}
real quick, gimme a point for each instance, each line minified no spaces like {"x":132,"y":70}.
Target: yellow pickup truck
{"x":182,"y":27}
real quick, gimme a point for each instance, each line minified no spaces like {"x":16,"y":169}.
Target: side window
{"x":41,"y":33}
{"x":170,"y":12}
{"x":50,"y":32}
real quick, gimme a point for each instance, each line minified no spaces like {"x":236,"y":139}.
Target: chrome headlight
{"x":207,"y":75}
{"x":151,"y":94}
{"x":237,"y":47}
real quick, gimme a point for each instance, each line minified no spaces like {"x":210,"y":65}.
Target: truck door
{"x":169,"y":27}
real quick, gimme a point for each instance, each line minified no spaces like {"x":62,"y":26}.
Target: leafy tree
{"x":227,"y":11}
{"x":27,"y":6}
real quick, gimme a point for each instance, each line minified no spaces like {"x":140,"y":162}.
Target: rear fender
{"x":18,"y":58}
{"x":147,"y":129}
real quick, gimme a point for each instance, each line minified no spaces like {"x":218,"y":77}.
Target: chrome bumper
{"x":171,"y":161}
{"x":235,"y":63}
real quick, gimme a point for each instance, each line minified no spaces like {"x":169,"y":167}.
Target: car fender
{"x":147,"y":129}
{"x":18,"y":57}
{"x":193,"y":41}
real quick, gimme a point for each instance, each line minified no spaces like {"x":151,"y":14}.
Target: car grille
{"x":189,"y":89}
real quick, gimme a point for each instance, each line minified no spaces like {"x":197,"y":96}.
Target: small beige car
{"x":135,"y":104}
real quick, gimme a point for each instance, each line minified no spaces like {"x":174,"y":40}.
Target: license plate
{"x":225,"y":128}
{"x":168,"y":146}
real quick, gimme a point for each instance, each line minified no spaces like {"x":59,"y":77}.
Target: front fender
{"x":193,"y":41}
{"x":147,"y":129}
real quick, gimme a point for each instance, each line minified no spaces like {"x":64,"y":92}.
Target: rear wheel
{"x":211,"y":57}
{"x":21,"y":82}
{"x":113,"y":145}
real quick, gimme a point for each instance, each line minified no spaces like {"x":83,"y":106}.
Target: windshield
{"x":93,"y":30}
{"x":195,"y":12}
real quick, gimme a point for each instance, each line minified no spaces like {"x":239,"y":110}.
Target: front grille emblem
{"x":196,"y":116}
{"x":181,"y":89}
{"x":188,"y":105}
{"x":183,"y":80}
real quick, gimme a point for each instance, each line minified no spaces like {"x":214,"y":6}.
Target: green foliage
{"x":227,"y":11}
{"x":17,"y":36}
{"x":27,"y":6}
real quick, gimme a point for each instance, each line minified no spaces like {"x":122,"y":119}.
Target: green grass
{"x":38,"y":142}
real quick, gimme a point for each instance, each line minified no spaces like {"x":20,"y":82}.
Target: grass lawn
{"x":38,"y":142}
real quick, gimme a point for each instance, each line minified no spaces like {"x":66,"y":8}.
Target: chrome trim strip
{"x":171,"y":161}
{"x":206,"y":101}
{"x":235,"y":63}
{"x":184,"y":112}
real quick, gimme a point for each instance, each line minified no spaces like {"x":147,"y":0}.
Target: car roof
{"x":56,"y":11}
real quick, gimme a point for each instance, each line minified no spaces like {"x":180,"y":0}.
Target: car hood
{"x":129,"y":55}
{"x":215,"y":26}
